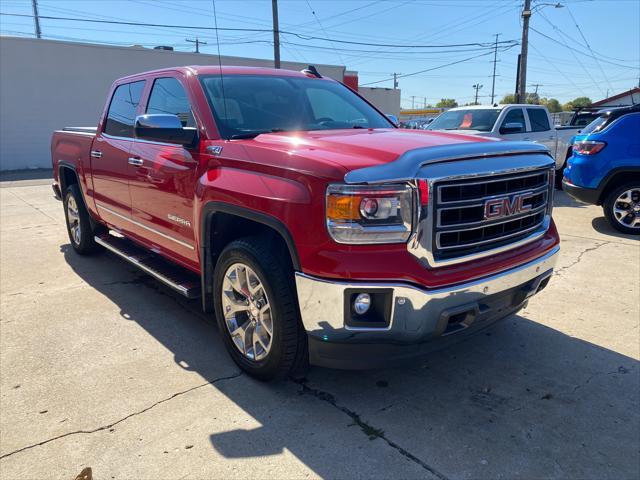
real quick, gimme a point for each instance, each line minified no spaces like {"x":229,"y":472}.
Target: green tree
{"x":508,"y":99}
{"x":532,"y":99}
{"x":577,"y":103}
{"x":447,"y":103}
{"x":552,"y":104}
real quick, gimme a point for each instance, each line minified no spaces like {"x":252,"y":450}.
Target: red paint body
{"x":282,"y":175}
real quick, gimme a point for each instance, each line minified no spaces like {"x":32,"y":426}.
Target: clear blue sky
{"x":562,"y":64}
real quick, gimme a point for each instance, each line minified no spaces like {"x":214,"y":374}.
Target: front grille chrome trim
{"x":424,"y":244}
{"x":484,"y":242}
{"x":460,"y":227}
{"x":536,"y":190}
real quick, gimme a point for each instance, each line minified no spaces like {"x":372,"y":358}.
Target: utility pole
{"x":395,"y":81}
{"x":424,"y":106}
{"x":537,"y":85}
{"x":522,"y":77}
{"x":36,"y":18}
{"x":197,"y":41}
{"x":495,"y":60}
{"x":477,"y":87}
{"x":413,"y":103}
{"x":276,"y":34}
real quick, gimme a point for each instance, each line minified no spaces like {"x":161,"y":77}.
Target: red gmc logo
{"x":506,"y":206}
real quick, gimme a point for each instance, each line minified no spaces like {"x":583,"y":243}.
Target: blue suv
{"x":604,"y":168}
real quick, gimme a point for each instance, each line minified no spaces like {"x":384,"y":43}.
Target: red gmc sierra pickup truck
{"x":315,"y":230}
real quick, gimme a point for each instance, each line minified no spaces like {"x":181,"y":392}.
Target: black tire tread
{"x":87,"y":246}
{"x":607,"y":207}
{"x":280,"y":279}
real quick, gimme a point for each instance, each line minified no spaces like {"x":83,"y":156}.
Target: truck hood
{"x":351,"y":149}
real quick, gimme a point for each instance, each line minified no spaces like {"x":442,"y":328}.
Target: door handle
{"x":138,"y":162}
{"x":96,"y":154}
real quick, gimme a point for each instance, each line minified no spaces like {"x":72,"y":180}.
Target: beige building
{"x":46,"y":85}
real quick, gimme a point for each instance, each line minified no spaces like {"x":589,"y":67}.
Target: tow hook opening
{"x":458,"y":318}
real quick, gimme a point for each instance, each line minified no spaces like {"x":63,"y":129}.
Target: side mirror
{"x":164,"y":128}
{"x":512,"y":127}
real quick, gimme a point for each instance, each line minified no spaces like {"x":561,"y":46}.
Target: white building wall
{"x":387,"y":100}
{"x":633,"y":98}
{"x":46,"y":85}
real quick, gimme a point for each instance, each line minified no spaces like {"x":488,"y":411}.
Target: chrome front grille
{"x":481,"y":214}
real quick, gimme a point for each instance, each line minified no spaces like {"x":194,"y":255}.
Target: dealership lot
{"x":100,"y":366}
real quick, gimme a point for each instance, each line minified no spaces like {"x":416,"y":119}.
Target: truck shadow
{"x":562,"y":199}
{"x":517,"y":400}
{"x":601,"y":225}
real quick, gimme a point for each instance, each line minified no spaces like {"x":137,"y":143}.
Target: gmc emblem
{"x":506,"y":206}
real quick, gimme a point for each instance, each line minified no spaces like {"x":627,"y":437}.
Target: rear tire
{"x":625,"y":198}
{"x":79,"y":226}
{"x":255,"y":298}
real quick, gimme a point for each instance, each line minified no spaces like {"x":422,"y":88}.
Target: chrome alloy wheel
{"x":247,"y":311}
{"x":74,"y":220}
{"x":626,"y":208}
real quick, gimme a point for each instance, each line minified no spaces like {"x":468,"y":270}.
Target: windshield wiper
{"x":255,"y":133}
{"x":357,"y":126}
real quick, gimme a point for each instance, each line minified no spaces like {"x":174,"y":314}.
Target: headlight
{"x":369,"y":214}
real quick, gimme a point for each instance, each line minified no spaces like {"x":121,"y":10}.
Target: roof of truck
{"x":225,"y":70}
{"x":496,"y":106}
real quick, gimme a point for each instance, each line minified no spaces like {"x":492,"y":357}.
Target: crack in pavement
{"x":105,"y":427}
{"x":579,"y":259}
{"x":34,"y":207}
{"x":369,"y":430}
{"x":600,"y":239}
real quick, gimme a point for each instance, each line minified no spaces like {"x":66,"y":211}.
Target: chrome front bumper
{"x":417,"y":315}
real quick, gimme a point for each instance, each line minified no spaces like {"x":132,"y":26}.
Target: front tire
{"x":256,"y":310}
{"x":622,"y":208}
{"x":79,"y":226}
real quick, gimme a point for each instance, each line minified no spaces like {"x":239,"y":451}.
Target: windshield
{"x":247,"y":105}
{"x":471,"y":119}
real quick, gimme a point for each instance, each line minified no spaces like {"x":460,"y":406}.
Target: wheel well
{"x":67,"y":177}
{"x":219,"y":228}
{"x":228,"y":227}
{"x":616,"y":180}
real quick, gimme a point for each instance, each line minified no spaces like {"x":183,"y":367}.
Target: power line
{"x":313,"y":12}
{"x":197,"y":41}
{"x":576,"y":50}
{"x":285,"y":32}
{"x":427,"y":70}
{"x":593,"y":55}
{"x":556,"y":29}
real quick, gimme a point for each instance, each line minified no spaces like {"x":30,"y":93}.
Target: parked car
{"x":510,"y":122}
{"x":605,"y":167}
{"x":314,"y":229}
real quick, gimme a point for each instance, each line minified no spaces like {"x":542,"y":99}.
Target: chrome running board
{"x":177,"y":278}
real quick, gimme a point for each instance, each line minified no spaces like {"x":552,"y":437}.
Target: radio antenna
{"x":224,"y":98}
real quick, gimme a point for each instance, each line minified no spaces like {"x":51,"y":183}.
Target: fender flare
{"x":604,"y":183}
{"x":207,"y":267}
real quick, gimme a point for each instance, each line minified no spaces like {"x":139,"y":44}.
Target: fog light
{"x":362,"y":303}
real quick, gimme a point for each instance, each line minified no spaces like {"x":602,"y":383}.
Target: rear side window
{"x":595,"y":126}
{"x":169,"y":97}
{"x":122,"y":109}
{"x":539,"y":120}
